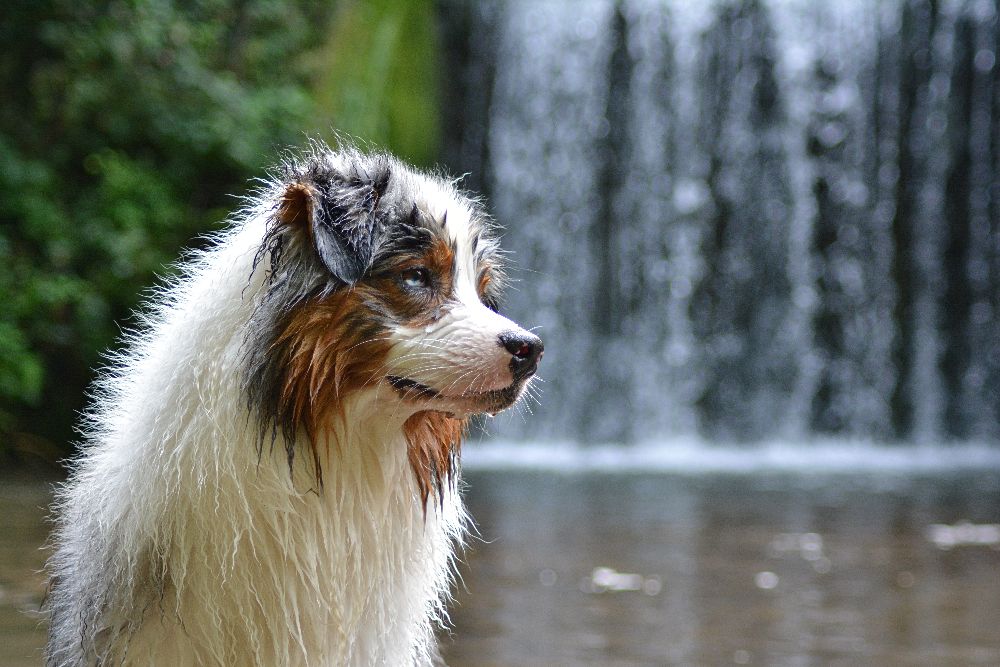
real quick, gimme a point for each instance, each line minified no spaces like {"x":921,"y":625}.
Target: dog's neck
{"x":363,"y":447}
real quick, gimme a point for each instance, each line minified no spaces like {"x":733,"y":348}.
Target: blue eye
{"x":417,"y":277}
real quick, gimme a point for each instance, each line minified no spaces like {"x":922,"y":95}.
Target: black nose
{"x":526,"y":351}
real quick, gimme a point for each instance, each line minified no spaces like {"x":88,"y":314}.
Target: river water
{"x":780,"y":567}
{"x":23,"y":530}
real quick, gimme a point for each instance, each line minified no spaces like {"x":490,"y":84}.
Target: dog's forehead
{"x":452,"y":218}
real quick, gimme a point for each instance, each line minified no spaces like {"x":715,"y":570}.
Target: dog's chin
{"x":463,"y":405}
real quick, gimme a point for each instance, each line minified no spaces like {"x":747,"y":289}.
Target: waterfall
{"x":743,"y":219}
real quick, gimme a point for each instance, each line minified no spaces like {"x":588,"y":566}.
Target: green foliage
{"x":379,"y":78}
{"x":125,"y":125}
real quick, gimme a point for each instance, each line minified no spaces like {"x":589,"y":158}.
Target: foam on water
{"x":694,"y":456}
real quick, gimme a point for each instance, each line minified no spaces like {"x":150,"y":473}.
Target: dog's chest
{"x":353,"y":573}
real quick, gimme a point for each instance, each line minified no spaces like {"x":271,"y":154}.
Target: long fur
{"x":261,"y":484}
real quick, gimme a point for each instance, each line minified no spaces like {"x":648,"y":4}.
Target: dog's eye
{"x":418,"y":277}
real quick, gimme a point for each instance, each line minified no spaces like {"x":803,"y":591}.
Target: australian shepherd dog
{"x":271,"y":466}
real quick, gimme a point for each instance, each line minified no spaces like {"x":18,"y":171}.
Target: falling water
{"x":742,"y":219}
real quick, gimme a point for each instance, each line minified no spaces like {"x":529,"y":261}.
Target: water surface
{"x":764,"y":569}
{"x":23,"y":530}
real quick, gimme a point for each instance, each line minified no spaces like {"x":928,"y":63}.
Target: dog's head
{"x":382,"y":279}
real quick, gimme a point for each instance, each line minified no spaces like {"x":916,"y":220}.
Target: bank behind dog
{"x":269,"y":473}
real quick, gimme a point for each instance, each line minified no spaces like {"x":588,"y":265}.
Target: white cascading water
{"x":745,"y":221}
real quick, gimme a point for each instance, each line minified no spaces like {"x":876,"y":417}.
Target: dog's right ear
{"x":295,"y":208}
{"x":340,"y":219}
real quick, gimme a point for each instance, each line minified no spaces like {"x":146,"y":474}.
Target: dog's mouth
{"x":411,"y":388}
{"x":491,"y":401}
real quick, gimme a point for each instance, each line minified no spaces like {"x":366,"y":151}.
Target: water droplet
{"x":766,"y":580}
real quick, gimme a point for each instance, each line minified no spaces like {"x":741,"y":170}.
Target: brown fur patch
{"x":329,"y":352}
{"x":485,"y":278}
{"x":433,"y":442}
{"x":295,"y":207}
{"x":440,"y":259}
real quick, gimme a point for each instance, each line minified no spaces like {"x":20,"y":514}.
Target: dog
{"x":270,"y":469}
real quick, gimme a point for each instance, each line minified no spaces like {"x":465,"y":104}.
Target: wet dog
{"x":270,"y":470}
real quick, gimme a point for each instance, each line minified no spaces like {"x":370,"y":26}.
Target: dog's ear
{"x":339,"y":214}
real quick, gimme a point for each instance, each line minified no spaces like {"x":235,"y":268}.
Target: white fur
{"x":256,"y":566}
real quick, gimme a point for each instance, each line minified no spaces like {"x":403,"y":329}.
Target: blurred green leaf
{"x":378,"y":76}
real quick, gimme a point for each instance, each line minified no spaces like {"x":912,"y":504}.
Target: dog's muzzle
{"x":525,"y":350}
